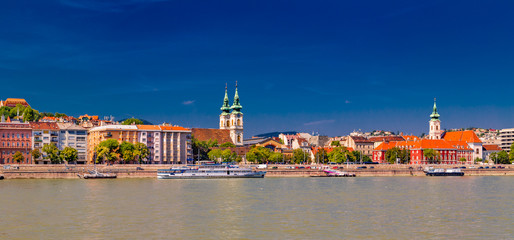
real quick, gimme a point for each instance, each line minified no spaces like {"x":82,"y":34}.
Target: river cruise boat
{"x":209,"y":171}
{"x":335,"y":173}
{"x":443,"y":172}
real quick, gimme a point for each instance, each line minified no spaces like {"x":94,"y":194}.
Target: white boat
{"x":336,"y":173}
{"x":443,"y":172}
{"x":94,"y":174}
{"x":209,"y":171}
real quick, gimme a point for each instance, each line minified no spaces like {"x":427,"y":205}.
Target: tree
{"x":215,"y":154}
{"x":202,"y":148}
{"x":494,"y":157}
{"x":335,"y":143}
{"x":228,"y":156}
{"x":258,"y":154}
{"x":321,"y":156}
{"x":127,"y":151}
{"x":18,"y":157}
{"x":403,"y":155}
{"x":227,"y":145}
{"x":503,"y":157}
{"x":338,"y":155}
{"x":276,"y":157}
{"x":300,"y":156}
{"x":36,"y":154}
{"x":30,"y":115}
{"x":108,"y":150}
{"x":130,"y":121}
{"x":511,"y":154}
{"x":69,"y":154}
{"x":52,"y":153}
{"x":432,"y":155}
{"x":141,"y":152}
{"x":462,"y":160}
{"x":478,"y":160}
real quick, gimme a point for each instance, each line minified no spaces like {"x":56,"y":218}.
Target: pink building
{"x":15,"y":137}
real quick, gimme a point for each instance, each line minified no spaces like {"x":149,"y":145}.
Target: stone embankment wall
{"x":150,"y":171}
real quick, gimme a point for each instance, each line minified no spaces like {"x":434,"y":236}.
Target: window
{"x":22,"y":135}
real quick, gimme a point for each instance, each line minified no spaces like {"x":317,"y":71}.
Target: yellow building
{"x":119,"y":132}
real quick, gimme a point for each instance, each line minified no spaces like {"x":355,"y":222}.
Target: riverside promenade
{"x":61,"y":171}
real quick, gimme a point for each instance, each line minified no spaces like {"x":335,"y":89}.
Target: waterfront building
{"x":435,"y":131}
{"x":231,"y":118}
{"x":488,"y":149}
{"x":360,"y":144}
{"x":167,"y":144}
{"x":379,"y":140}
{"x":71,"y":135}
{"x":44,"y":133}
{"x":466,"y":136}
{"x":506,"y":139}
{"x":450,"y":152}
{"x":15,"y":137}
{"x":12,"y":102}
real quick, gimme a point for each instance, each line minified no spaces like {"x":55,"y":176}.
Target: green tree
{"x":494,"y":157}
{"x":52,"y":153}
{"x":511,"y":153}
{"x":215,"y":154}
{"x":69,"y":154}
{"x":300,"y":156}
{"x":227,"y":145}
{"x":141,"y":152}
{"x":335,"y":143}
{"x":228,"y":156}
{"x":338,"y":155}
{"x":59,"y":115}
{"x":432,"y":155}
{"x":36,"y":154}
{"x":130,"y":121}
{"x":478,"y":160}
{"x":108,"y":150}
{"x":30,"y":115}
{"x":202,"y":148}
{"x":127,"y":151}
{"x":17,"y":110}
{"x":503,"y":157}
{"x":462,"y":160}
{"x":5,"y":111}
{"x":18,"y":157}
{"x":403,"y":155}
{"x":276,"y":157}
{"x":321,"y":156}
{"x":258,"y":155}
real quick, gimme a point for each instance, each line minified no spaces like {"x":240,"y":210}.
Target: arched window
{"x":228,"y":124}
{"x":239,"y":138}
{"x":238,"y":122}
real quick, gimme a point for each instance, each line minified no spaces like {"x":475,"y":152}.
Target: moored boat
{"x":94,"y":174}
{"x":335,"y":173}
{"x":443,"y":172}
{"x":209,"y":171}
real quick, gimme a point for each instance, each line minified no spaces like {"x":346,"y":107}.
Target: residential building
{"x":166,"y":144}
{"x":44,"y":133}
{"x":319,"y":141}
{"x":379,"y":140}
{"x":71,"y":135}
{"x":506,"y":139}
{"x":360,"y":144}
{"x":15,"y":137}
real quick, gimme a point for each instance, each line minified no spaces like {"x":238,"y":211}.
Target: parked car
{"x":487,"y":167}
{"x":493,"y":167}
{"x":480,"y":167}
{"x":463,"y":167}
{"x":371,"y":167}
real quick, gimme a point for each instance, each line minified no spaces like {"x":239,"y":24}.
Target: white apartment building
{"x":71,"y":135}
{"x":506,"y":138}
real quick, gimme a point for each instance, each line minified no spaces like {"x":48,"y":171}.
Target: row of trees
{"x":112,"y":151}
{"x":56,"y":156}
{"x":340,"y":154}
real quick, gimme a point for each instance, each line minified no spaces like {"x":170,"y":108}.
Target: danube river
{"x":269,"y":208}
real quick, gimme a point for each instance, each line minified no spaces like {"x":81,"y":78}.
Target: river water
{"x":269,"y":208}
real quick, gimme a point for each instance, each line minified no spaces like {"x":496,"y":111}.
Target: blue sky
{"x":315,"y":66}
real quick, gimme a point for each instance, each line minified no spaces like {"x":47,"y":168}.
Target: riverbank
{"x":150,"y":171}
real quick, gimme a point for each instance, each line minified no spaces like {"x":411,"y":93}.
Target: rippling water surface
{"x":269,"y":208}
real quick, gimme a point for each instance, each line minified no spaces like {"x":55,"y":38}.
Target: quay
{"x":61,"y":171}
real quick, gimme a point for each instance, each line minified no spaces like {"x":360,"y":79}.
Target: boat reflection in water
{"x":209,"y":171}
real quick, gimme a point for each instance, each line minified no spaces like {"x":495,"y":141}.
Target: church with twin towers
{"x":231,"y":118}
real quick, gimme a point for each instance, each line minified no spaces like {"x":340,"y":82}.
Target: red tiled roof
{"x":174,"y":128}
{"x":206,"y":134}
{"x":410,"y":137}
{"x":466,"y":136}
{"x":424,"y":144}
{"x":492,"y":147}
{"x":386,"y":138}
{"x":44,"y":126}
{"x":359,"y":139}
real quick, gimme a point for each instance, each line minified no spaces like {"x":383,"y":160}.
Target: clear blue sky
{"x":324,"y":66}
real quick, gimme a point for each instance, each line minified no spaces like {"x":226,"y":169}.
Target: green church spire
{"x":236,"y":106}
{"x":434,"y":115}
{"x":225,"y":108}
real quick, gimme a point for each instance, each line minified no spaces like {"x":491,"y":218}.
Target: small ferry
{"x":335,"y":173}
{"x":94,"y":174}
{"x":209,"y":171}
{"x":443,"y":172}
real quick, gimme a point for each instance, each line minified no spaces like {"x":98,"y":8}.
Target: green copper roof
{"x":236,"y":106}
{"x":435,"y":115}
{"x":225,"y":108}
